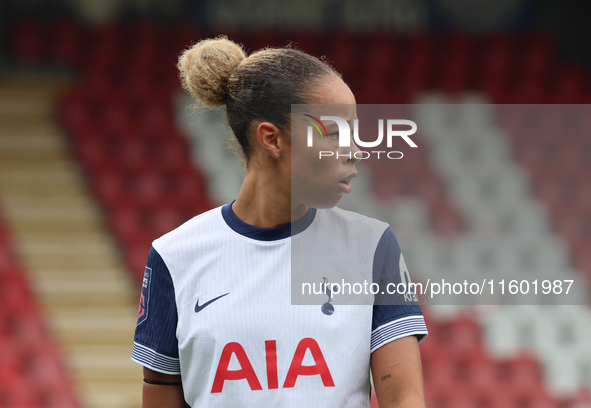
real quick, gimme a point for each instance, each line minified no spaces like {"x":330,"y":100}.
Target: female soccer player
{"x":216,"y":327}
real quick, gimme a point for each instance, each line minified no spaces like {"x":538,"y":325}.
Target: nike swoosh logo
{"x":200,"y":308}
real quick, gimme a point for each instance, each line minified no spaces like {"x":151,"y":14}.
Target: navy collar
{"x":266,"y":234}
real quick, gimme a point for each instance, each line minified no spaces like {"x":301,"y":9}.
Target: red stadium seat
{"x":522,"y":375}
{"x":383,"y":57}
{"x":126,"y":224}
{"x":147,"y":36}
{"x":307,"y":41}
{"x":497,"y":64}
{"x":28,"y":40}
{"x":135,"y":259}
{"x":67,"y":42}
{"x":7,"y":258}
{"x":130,"y":154}
{"x":537,"y":62}
{"x":572,"y":85}
{"x":563,"y":195}
{"x":164,"y":221}
{"x":106,"y":46}
{"x":20,"y":395}
{"x":445,"y":219}
{"x":568,"y":225}
{"x":439,"y":377}
{"x":185,"y":35}
{"x":483,"y":378}
{"x":374,"y":89}
{"x":503,"y":401}
{"x":94,"y":155}
{"x":343,"y":57}
{"x":582,"y":256}
{"x":111,"y":190}
{"x":581,"y":398}
{"x":149,"y":187}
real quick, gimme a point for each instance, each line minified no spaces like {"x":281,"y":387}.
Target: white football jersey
{"x":216,"y":308}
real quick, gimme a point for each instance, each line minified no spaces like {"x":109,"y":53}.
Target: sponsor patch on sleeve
{"x":410,"y":294}
{"x":142,"y":313}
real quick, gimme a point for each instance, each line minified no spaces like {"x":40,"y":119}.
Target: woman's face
{"x":320,"y":180}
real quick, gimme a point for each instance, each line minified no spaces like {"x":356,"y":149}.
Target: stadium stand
{"x":474,"y":186}
{"x":119,"y":118}
{"x":32,"y":371}
{"x":88,"y":304}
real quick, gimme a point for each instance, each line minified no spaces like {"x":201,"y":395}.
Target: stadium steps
{"x":75,"y":268}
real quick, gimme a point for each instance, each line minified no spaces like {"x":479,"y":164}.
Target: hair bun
{"x":205,"y":69}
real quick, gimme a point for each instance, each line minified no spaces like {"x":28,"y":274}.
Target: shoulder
{"x":351,"y":220}
{"x":358,"y":233}
{"x":191,"y":233}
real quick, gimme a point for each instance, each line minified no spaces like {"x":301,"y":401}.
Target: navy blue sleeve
{"x":396,"y":310}
{"x":155,"y":343}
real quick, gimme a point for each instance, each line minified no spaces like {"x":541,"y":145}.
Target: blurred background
{"x":101,"y":152}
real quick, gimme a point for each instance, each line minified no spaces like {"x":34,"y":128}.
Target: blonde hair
{"x":206,"y":67}
{"x":264,"y":85}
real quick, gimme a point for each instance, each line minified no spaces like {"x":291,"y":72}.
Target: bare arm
{"x":162,"y":396}
{"x":398,"y":375}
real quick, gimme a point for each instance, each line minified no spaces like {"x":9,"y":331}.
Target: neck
{"x":264,"y":200}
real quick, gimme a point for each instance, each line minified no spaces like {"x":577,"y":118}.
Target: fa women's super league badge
{"x":327,"y":308}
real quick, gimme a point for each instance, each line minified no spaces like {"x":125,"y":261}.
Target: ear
{"x":269,"y":137}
